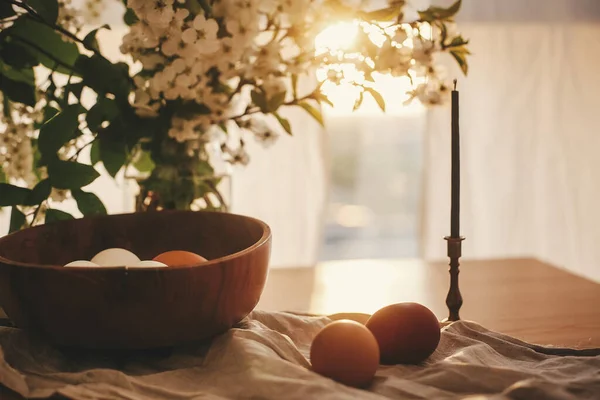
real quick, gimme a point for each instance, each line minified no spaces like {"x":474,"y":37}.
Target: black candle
{"x":455,"y":204}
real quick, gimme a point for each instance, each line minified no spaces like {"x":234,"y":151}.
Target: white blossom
{"x":262,"y":131}
{"x":245,"y":11}
{"x":423,"y":50}
{"x":159,"y":13}
{"x":268,"y":59}
{"x":243,"y":34}
{"x":93,"y":10}
{"x":395,"y":60}
{"x":182,"y":129}
{"x":151,"y":61}
{"x":172,"y":45}
{"x":432,"y":92}
{"x":237,"y":155}
{"x":68,"y":18}
{"x":195,"y":60}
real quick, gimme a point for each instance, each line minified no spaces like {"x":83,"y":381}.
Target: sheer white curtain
{"x":530,"y":121}
{"x":286,"y":186}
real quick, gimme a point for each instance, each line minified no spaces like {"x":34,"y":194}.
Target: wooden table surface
{"x":524,"y":298}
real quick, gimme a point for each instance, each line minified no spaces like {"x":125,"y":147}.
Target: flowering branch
{"x":37,"y":17}
{"x":33,"y":14}
{"x":43,"y":51}
{"x":199,"y":59}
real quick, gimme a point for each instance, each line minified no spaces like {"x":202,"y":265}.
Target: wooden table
{"x":524,"y":298}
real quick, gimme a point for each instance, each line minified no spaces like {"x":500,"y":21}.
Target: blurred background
{"x":376,"y":185}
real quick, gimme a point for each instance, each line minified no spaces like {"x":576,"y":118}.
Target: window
{"x":376,"y":166}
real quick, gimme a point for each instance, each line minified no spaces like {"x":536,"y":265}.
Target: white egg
{"x":148,"y":263}
{"x":115,"y":257}
{"x":81,"y":263}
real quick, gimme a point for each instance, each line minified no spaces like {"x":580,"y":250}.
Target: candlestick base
{"x":454,"y":299}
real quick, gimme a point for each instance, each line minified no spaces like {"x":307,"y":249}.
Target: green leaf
{"x":6,"y":10}
{"x":284,"y":123}
{"x":443,"y":31}
{"x":260,"y":100}
{"x":47,"y":9}
{"x":23,"y":74}
{"x":103,"y":76}
{"x":461,"y":59}
{"x":11,"y":195}
{"x":366,"y":44}
{"x":322,"y":98}
{"x":71,"y":175}
{"x":104,"y":110}
{"x":386,"y":14}
{"x":2,"y":176}
{"x":144,"y":162}
{"x":295,"y":86}
{"x":276,"y":101}
{"x":75,"y":88}
{"x":316,"y":114}
{"x":378,"y":97}
{"x":90,"y":41}
{"x":16,"y":91}
{"x":113,"y":155}
{"x":341,"y":9}
{"x":461,"y":49}
{"x":95,"y":152}
{"x":60,"y":129}
{"x":17,"y":220}
{"x":17,"y":56}
{"x":88,"y":203}
{"x":440,"y":13}
{"x":40,"y":192}
{"x":49,"y":112}
{"x":369,"y":76}
{"x":359,"y":101}
{"x":45,"y":44}
{"x":458,"y":41}
{"x":130,"y":18}
{"x":53,"y":215}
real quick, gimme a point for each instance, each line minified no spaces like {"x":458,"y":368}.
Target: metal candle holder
{"x":454,"y":299}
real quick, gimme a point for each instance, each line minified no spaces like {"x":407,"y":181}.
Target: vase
{"x":174,"y":175}
{"x":215,"y":195}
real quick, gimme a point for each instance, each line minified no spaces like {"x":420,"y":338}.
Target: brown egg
{"x":175,"y":258}
{"x":345,"y":351}
{"x":407,"y":333}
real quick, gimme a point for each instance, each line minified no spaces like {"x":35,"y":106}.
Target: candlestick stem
{"x":454,"y":299}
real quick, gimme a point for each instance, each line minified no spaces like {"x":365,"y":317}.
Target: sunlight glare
{"x":340,"y":36}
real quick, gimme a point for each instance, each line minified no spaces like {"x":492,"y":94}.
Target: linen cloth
{"x":266,"y":357}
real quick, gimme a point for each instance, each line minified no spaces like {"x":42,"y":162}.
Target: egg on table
{"x":175,"y":258}
{"x":81,"y":263}
{"x":407,"y":333}
{"x":115,"y":257}
{"x":345,"y":351}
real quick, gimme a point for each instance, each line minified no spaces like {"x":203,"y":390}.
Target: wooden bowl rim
{"x":266,"y":236}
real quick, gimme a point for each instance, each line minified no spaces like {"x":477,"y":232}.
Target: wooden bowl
{"x":134,"y":308}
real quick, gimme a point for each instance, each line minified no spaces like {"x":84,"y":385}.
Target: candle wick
{"x":456,"y":80}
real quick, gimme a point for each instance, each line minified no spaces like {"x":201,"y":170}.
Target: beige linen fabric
{"x":266,"y":358}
